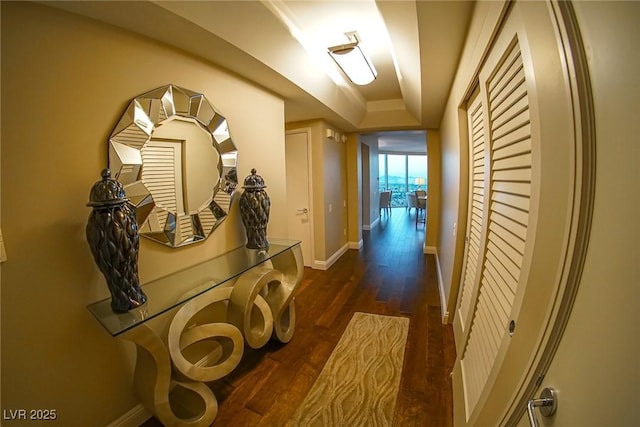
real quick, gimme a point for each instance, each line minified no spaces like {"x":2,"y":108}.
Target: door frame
{"x":307,"y":132}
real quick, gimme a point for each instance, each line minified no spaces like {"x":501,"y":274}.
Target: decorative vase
{"x":112,"y":233}
{"x":254,"y":210}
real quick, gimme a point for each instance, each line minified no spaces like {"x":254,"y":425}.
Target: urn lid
{"x":254,"y":181}
{"x":106,"y":192}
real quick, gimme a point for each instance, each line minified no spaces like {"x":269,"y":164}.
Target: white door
{"x":523,"y":213}
{"x":299,"y":215}
{"x":475,"y":219}
{"x":596,"y":368}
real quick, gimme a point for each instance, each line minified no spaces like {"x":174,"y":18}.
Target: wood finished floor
{"x":390,"y":275}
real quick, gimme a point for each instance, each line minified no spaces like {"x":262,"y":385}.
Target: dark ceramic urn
{"x":112,"y":233}
{"x":254,"y":210}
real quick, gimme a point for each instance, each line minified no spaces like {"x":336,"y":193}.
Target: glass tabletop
{"x":177,"y":288}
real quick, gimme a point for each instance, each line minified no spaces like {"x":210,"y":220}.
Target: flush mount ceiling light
{"x":353,"y":62}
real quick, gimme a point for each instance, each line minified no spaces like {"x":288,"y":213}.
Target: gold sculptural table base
{"x":206,"y":338}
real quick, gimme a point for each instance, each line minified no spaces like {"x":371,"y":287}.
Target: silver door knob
{"x":305,"y":210}
{"x":548,"y":403}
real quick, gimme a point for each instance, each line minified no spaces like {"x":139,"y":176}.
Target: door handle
{"x":305,"y":210}
{"x":548,"y":403}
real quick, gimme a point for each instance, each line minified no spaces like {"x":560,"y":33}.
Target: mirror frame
{"x":144,"y":114}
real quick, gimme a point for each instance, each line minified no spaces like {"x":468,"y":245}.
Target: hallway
{"x":389,"y":275}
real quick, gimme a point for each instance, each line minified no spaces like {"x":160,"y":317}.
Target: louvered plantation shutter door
{"x":530,"y":215}
{"x":505,"y":236}
{"x":162,"y":175}
{"x":475,"y":119}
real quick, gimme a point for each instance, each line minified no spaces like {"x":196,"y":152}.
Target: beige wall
{"x":335,"y":194}
{"x":65,"y":82}
{"x":365,"y":208}
{"x":354,"y":191}
{"x":434,"y":171}
{"x":372,"y":197}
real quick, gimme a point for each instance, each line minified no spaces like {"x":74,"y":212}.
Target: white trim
{"x":325,"y":265}
{"x":356,"y":245}
{"x":443,"y":300}
{"x":373,"y":225}
{"x":430,"y":250}
{"x":133,"y":418}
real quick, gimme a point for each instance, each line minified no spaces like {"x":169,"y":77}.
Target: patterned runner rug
{"x":359,"y":383}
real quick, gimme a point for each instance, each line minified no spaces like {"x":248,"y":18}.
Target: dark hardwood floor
{"x":390,"y":275}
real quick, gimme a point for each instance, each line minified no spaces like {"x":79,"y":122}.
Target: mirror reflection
{"x":174,"y":155}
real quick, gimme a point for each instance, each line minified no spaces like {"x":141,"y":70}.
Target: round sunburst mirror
{"x":173,"y":153}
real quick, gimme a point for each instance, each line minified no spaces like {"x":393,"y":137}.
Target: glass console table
{"x":242,"y":297}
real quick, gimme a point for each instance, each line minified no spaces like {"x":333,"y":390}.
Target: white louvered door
{"x":473,"y":250}
{"x":162,"y":175}
{"x":509,"y":181}
{"x":521,"y":183}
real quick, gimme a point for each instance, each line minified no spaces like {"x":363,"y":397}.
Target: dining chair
{"x":385,"y":202}
{"x":412,"y":202}
{"x":421,"y":207}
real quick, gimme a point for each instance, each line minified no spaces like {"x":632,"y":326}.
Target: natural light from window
{"x":402,"y":173}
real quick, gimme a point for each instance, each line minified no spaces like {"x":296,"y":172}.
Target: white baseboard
{"x":371,"y":226}
{"x":443,"y":300}
{"x":356,"y":245}
{"x":325,"y":265}
{"x":432,"y":250}
{"x":133,"y":418}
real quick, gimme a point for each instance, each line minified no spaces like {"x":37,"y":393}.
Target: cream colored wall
{"x":434,"y":183}
{"x":365,"y":208}
{"x":373,"y":195}
{"x":596,"y":369}
{"x":452,"y":201}
{"x":354,"y":190}
{"x":65,"y":82}
{"x":335,"y":193}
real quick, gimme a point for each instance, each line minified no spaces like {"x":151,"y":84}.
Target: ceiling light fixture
{"x":353,"y":62}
